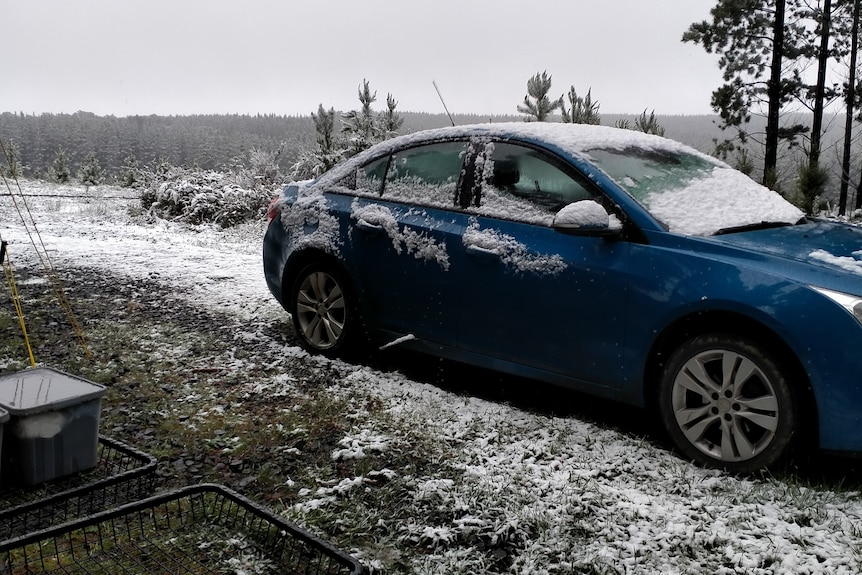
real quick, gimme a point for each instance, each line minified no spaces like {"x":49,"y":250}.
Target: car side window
{"x":525,"y":184}
{"x":425,"y":175}
{"x":369,"y":178}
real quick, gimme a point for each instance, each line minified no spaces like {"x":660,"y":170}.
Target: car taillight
{"x":273,"y":209}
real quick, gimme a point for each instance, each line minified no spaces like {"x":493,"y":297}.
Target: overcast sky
{"x":128,"y":57}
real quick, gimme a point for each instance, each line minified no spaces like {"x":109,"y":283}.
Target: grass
{"x":415,"y":465}
{"x":186,"y":394}
{"x":408,"y":486}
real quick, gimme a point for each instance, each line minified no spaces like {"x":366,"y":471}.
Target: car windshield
{"x":691,"y":193}
{"x":642,"y":172}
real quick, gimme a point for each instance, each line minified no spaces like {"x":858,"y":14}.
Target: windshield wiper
{"x":752,"y":227}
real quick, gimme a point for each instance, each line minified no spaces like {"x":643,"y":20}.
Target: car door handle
{"x":481,"y":252}
{"x":368,"y":227}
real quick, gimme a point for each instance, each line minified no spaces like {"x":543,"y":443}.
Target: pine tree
{"x":858,"y":204}
{"x":829,"y":40}
{"x":359,"y":126}
{"x":743,"y":162}
{"x":60,"y":166}
{"x":130,"y":173}
{"x":329,"y":151}
{"x":582,"y":111}
{"x":537,"y":105}
{"x":850,"y":96}
{"x":12,"y":157}
{"x":753,"y":38}
{"x":91,"y":171}
{"x":649,"y":124}
{"x":810,"y":185}
{"x":324,"y":125}
{"x":820,"y":93}
{"x":363,"y":128}
{"x":389,"y":120}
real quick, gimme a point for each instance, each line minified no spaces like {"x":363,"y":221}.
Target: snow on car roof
{"x":575,"y":139}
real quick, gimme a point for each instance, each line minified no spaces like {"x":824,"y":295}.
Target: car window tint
{"x":525,"y":184}
{"x":426,"y":175}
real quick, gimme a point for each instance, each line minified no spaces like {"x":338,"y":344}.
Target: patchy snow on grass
{"x":359,"y":444}
{"x":567,"y":494}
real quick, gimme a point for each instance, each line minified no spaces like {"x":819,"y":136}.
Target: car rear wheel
{"x":322,"y":310}
{"x":726,"y":403}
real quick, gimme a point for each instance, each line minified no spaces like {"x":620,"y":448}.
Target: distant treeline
{"x":209,"y":142}
{"x":213,"y":142}
{"x":220,"y":142}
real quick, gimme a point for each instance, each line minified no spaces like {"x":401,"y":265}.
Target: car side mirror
{"x":586,"y":217}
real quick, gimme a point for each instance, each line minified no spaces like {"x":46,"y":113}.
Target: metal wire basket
{"x":196,"y":530}
{"x":122,"y":474}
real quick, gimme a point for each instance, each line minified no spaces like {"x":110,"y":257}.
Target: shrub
{"x":198,"y":196}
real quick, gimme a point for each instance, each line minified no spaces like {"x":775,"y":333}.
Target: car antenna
{"x":443,"y":101}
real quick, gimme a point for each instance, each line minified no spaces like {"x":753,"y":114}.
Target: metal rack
{"x":195,"y":530}
{"x":122,"y":474}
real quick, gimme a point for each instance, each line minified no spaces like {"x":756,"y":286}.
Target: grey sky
{"x":126,"y":57}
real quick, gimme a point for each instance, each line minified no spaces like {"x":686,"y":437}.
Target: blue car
{"x":608,"y":261}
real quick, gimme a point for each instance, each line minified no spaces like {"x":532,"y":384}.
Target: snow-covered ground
{"x":569,"y":496}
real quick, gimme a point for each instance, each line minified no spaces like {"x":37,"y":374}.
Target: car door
{"x":533,"y":295}
{"x":405,"y":234}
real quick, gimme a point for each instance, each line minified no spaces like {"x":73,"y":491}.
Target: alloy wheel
{"x":321,"y":310}
{"x":725,"y":405}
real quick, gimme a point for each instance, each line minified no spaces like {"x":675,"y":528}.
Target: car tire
{"x":726,"y":403}
{"x":323,"y":310}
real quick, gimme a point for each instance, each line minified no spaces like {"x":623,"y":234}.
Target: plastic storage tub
{"x":53,"y":428}
{"x":4,"y":417}
{"x":123,"y":474}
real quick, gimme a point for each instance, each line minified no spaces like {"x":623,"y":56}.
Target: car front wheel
{"x":726,"y":403}
{"x":321,"y":307}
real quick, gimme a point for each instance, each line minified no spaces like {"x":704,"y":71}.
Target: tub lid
{"x":44,"y":389}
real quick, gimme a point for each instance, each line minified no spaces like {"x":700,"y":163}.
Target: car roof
{"x":575,"y":138}
{"x":569,"y":140}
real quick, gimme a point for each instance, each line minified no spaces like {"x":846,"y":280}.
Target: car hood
{"x":822,"y":253}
